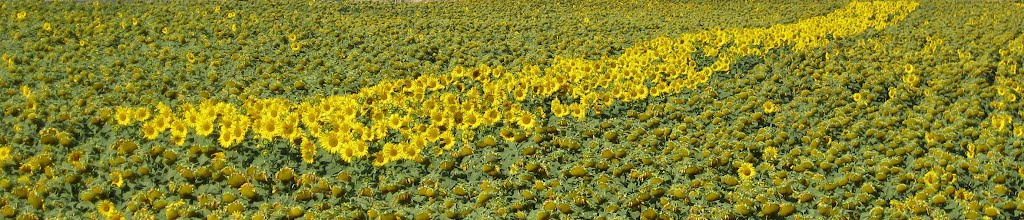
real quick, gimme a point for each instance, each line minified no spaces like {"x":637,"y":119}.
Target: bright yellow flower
{"x":106,"y":208}
{"x":577,"y":110}
{"x":746,"y":171}
{"x":141,"y":114}
{"x":5,"y":154}
{"x":558,"y":109}
{"x":308,"y":150}
{"x":526,"y":120}
{"x":931,"y":179}
{"x":150,"y":131}
{"x":116,"y":179}
{"x":123,"y":116}
{"x":769,"y":107}
{"x":770,"y":153}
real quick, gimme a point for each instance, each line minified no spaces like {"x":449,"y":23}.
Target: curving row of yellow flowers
{"x":410,"y":115}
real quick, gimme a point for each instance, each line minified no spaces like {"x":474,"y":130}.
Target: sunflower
{"x":769,"y":107}
{"x":746,"y":171}
{"x":141,"y":114}
{"x":178,"y":128}
{"x":106,"y":208}
{"x":178,"y":140}
{"x":519,"y":94}
{"x":347,"y":153}
{"x":361,"y":149}
{"x":558,"y":109}
{"x":310,"y":117}
{"x":331,"y":142}
{"x":267,"y":128}
{"x":123,"y":115}
{"x":432,"y":134}
{"x":419,"y":141}
{"x":470,"y":119}
{"x":437,"y":117}
{"x":458,"y":72}
{"x":149,"y":131}
{"x":577,"y":110}
{"x":164,"y":110}
{"x":911,"y":79}
{"x":526,"y":120}
{"x":290,"y":128}
{"x":238,"y":133}
{"x":380,"y":160}
{"x":160,"y":122}
{"x":5,"y":154}
{"x":448,"y":140}
{"x":191,"y":118}
{"x":116,"y":179}
{"x":508,"y":134}
{"x":931,"y":179}
{"x":971,"y":150}
{"x":407,"y":151}
{"x":770,"y":153}
{"x":75,"y":158}
{"x":225,"y":140}
{"x":394,"y":121}
{"x":308,"y":150}
{"x":391,"y":151}
{"x":204,"y":127}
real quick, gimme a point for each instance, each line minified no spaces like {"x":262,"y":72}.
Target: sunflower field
{"x":535,"y":109}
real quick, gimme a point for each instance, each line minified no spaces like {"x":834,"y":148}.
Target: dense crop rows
{"x":529,"y":110}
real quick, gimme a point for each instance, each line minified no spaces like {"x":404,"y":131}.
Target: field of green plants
{"x":535,"y":109}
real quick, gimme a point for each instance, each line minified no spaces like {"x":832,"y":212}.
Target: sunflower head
{"x":150,"y":131}
{"x":432,"y":134}
{"x":470,"y":119}
{"x":5,"y":154}
{"x":931,"y":179}
{"x":971,"y":150}
{"x":105,"y":208}
{"x":308,"y":150}
{"x":141,"y":114}
{"x":123,"y":116}
{"x":178,"y":140}
{"x":577,"y":110}
{"x":117,"y":179}
{"x":746,"y":171}
{"x":347,"y":153}
{"x":526,"y":120}
{"x":770,"y":153}
{"x":769,"y":107}
{"x":204,"y":127}
{"x":224,"y":138}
